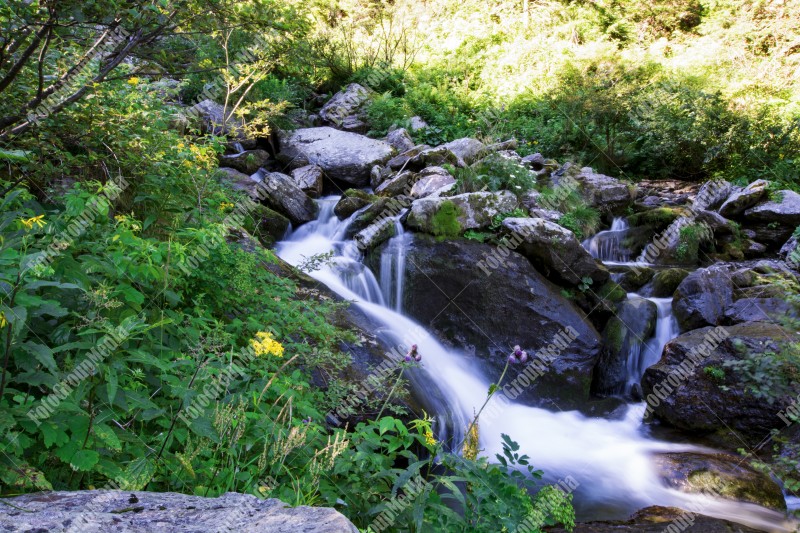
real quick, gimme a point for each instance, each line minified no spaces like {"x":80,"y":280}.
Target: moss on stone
{"x":266,"y":225}
{"x":666,"y":281}
{"x":658,"y":217}
{"x":444,"y":224}
{"x":611,"y":291}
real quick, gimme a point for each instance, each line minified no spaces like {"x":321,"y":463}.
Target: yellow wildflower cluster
{"x":133,"y":81}
{"x":224,"y":206}
{"x":428,"y":434}
{"x":37,"y":221}
{"x":264,"y":344}
{"x":471,"y":443}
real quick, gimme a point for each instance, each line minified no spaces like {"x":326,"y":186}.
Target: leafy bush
{"x":494,"y":173}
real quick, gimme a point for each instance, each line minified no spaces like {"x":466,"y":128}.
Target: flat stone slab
{"x":103,"y":511}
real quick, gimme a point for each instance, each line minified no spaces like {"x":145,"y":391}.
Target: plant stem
{"x":8,"y":338}
{"x":394,"y":387}
{"x":488,"y":397}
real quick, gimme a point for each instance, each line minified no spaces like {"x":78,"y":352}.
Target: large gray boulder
{"x":686,"y":396}
{"x":604,"y":192}
{"x":625,"y":333}
{"x":341,"y":155}
{"x":469,"y":150}
{"x":102,"y":511}
{"x":731,"y":293}
{"x":475,"y":210}
{"x":283,"y":195}
{"x":741,"y":200}
{"x":703,"y":296}
{"x":555,"y":251}
{"x":431,"y":180}
{"x":784,"y":211}
{"x":343,"y":109}
{"x":711,"y":194}
{"x":447,"y":290}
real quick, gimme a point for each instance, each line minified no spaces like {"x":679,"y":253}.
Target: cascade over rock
{"x":447,"y":291}
{"x":624,"y":339}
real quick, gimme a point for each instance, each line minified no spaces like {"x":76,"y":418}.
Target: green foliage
{"x":479,"y":236}
{"x":582,"y":220}
{"x":497,"y":220}
{"x":586,"y":283}
{"x":767,"y":376}
{"x":715,"y":373}
{"x":690,"y":237}
{"x":495,"y":495}
{"x":386,"y":111}
{"x":445,"y":223}
{"x":494,"y":173}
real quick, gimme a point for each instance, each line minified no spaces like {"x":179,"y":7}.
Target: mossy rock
{"x":660,"y":217}
{"x":719,"y":474}
{"x":612,"y":292}
{"x":383,"y":207}
{"x":635,"y":278}
{"x":352,"y":200}
{"x":665,"y":282}
{"x":266,"y":225}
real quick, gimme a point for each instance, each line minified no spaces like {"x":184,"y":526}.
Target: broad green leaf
{"x":84,"y":460}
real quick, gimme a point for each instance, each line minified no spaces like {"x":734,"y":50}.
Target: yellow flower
{"x":133,"y":81}
{"x":3,"y":321}
{"x":224,"y":206}
{"x":120,"y":218}
{"x":428,"y":434}
{"x":265,"y":344}
{"x":37,"y":221}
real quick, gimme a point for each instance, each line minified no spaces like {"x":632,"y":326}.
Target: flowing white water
{"x":644,"y":355}
{"x":393,"y":266}
{"x":610,"y":459}
{"x":608,"y":245}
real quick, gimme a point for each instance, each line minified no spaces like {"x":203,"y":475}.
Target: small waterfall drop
{"x":393,"y":266}
{"x":608,"y":245}
{"x":644,"y":353}
{"x":610,"y":459}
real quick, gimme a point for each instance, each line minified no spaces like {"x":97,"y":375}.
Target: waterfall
{"x":393,"y":266}
{"x":645,"y":353}
{"x":610,"y":459}
{"x":608,"y":245}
